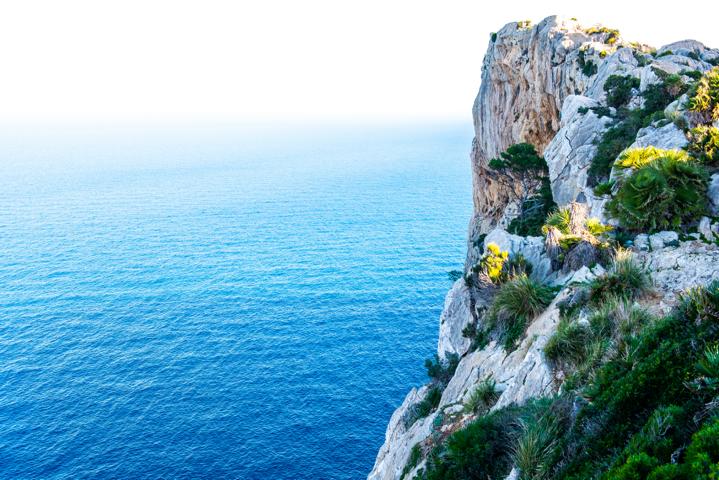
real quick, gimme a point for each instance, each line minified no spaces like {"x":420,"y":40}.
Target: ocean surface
{"x":200,"y":303}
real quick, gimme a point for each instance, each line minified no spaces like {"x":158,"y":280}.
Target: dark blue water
{"x":200,"y":304}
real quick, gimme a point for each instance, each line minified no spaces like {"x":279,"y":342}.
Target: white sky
{"x":265,"y":59}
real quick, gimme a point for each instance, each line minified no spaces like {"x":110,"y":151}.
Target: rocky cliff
{"x":547,"y":85}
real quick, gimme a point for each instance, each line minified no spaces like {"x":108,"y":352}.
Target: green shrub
{"x":534,"y":211}
{"x":619,"y":89}
{"x":537,"y":448}
{"x":625,"y":278}
{"x":481,"y":450}
{"x":424,"y":407}
{"x":596,"y":227}
{"x":604,"y":188}
{"x":708,"y":368}
{"x":439,"y":371}
{"x":658,"y":95}
{"x":612,"y":143}
{"x":703,"y":452}
{"x":626,"y":390}
{"x":612,"y":34}
{"x":483,"y":397}
{"x":516,"y":303}
{"x":568,"y":345}
{"x":705,"y":96}
{"x":559,"y":219}
{"x":415,"y":456}
{"x":639,"y":157}
{"x":704,"y":143}
{"x":661,"y":195}
{"x":524,"y":174}
{"x":588,"y":67}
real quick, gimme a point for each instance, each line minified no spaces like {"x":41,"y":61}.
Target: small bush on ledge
{"x":704,"y":97}
{"x":661,"y":195}
{"x":625,"y":279}
{"x":704,"y":143}
{"x":516,"y":304}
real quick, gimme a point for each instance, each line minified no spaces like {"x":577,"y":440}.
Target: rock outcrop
{"x":536,"y":88}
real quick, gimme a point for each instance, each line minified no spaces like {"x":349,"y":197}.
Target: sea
{"x":217,"y":301}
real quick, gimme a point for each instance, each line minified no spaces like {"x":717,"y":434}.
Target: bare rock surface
{"x":455,"y":317}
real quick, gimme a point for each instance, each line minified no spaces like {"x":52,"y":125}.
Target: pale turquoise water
{"x":199,"y":304}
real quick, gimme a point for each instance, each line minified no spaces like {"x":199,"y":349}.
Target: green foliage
{"x":559,"y":219}
{"x":481,"y":450}
{"x":516,"y":303}
{"x":604,"y":188}
{"x":658,"y":95}
{"x":568,"y":345}
{"x":424,"y":407}
{"x":624,"y":131}
{"x":708,"y":369}
{"x":704,"y":98}
{"x":588,"y":67}
{"x":534,"y":211}
{"x":661,"y":195}
{"x":537,"y":448}
{"x":493,"y":35}
{"x":629,"y":391}
{"x":612,"y":34}
{"x":441,"y":371}
{"x":638,"y":415}
{"x":642,"y":60}
{"x":665,"y":53}
{"x":415,"y":456}
{"x":619,"y":89}
{"x":516,"y":265}
{"x":519,"y":157}
{"x":625,"y":278}
{"x":483,"y":397}
{"x":703,"y":452}
{"x":596,"y":227}
{"x":492,"y":262}
{"x":524,"y":24}
{"x":639,"y":157}
{"x":704,"y":143}
{"x":521,"y":166}
{"x":615,"y":139}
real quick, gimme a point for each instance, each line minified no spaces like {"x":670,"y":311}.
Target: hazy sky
{"x":265,"y":59}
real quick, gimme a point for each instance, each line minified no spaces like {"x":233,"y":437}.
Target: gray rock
{"x":674,"y":270}
{"x":571,"y":151}
{"x":454,"y":318}
{"x":667,"y":137}
{"x":713,"y":193}
{"x":705,"y":228}
{"x":583,"y":254}
{"x":532,"y":248}
{"x":663,"y":239}
{"x":641,"y":242}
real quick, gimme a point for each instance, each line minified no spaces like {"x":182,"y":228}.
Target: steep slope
{"x":567,"y":90}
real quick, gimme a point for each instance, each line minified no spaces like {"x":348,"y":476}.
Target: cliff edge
{"x":595,"y":191}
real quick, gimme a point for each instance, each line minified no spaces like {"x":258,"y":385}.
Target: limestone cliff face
{"x":526,"y":75}
{"x":534,"y":89}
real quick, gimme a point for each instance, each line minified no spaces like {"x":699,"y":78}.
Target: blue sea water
{"x":206,"y":304}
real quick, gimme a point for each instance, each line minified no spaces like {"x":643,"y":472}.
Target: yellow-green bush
{"x":639,"y":157}
{"x":705,"y":96}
